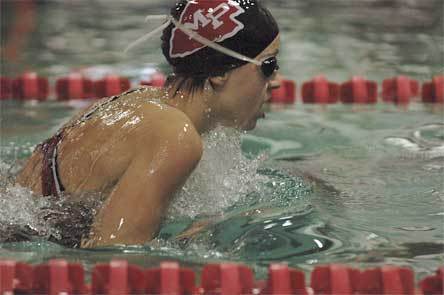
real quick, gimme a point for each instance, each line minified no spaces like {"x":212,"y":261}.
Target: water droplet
{"x":120,"y":224}
{"x":287,"y":223}
{"x":271,"y":225}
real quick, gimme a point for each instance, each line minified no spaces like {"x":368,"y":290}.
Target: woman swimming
{"x":138,"y":148}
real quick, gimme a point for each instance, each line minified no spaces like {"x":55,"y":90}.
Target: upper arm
{"x":133,"y":211}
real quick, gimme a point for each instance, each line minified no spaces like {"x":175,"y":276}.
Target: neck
{"x":193,"y":104}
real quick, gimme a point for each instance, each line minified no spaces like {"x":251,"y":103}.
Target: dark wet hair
{"x":260,"y":29}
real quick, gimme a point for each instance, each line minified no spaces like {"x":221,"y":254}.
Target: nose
{"x":275,"y":82}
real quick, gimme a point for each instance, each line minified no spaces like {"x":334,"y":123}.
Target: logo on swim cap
{"x":213,"y":19}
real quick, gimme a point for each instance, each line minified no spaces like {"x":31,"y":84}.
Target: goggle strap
{"x":147,"y":36}
{"x":156,"y":17}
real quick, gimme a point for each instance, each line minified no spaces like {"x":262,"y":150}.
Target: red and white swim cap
{"x":214,"y":20}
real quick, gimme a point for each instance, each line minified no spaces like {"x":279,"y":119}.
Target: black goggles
{"x":269,"y":66}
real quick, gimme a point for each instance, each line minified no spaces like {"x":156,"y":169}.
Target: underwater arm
{"x":134,"y":210}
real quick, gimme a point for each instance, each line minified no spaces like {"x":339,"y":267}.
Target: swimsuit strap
{"x":51,"y":185}
{"x":88,"y":114}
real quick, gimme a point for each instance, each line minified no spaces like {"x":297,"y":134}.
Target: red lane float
{"x":155,"y":80}
{"x":284,"y":280}
{"x":7,"y":276}
{"x":320,"y":91}
{"x":398,"y":280}
{"x":433,"y":92}
{"x":386,"y":280}
{"x":433,"y":285}
{"x":5,"y":88}
{"x":30,"y":86}
{"x":74,"y":86}
{"x":59,"y":277}
{"x":227,"y":279}
{"x":285,"y":94}
{"x":170,"y":278}
{"x":15,"y":277}
{"x":359,"y":91}
{"x":111,"y":85}
{"x":119,"y":277}
{"x":334,"y":279}
{"x":399,"y":90}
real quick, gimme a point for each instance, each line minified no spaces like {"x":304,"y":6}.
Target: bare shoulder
{"x":170,"y":127}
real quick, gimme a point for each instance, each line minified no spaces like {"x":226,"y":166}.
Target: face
{"x":246,"y":90}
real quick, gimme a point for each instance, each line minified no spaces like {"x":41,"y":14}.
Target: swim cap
{"x":244,"y":26}
{"x":213,"y":20}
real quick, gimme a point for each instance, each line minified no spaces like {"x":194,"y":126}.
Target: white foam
{"x":21,"y":209}
{"x":222,"y":177}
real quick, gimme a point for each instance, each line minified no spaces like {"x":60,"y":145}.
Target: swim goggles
{"x":268,"y":65}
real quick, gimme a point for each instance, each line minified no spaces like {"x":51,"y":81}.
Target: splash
{"x":222,"y":176}
{"x":225,"y":183}
{"x":22,"y":215}
{"x":226,"y":178}
{"x":25,"y":216}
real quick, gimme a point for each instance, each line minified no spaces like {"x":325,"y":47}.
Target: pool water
{"x":361,"y":185}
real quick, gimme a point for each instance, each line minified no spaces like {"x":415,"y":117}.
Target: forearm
{"x":126,"y":219}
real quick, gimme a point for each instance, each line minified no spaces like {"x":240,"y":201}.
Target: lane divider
{"x":119,"y":277}
{"x":359,"y":91}
{"x":433,"y":91}
{"x":15,"y":277}
{"x":227,"y":278}
{"x":433,"y":284}
{"x":320,"y":91}
{"x":335,"y":279}
{"x":30,"y":86}
{"x":284,"y":280}
{"x":399,"y":90}
{"x":74,"y":86}
{"x":111,"y":85}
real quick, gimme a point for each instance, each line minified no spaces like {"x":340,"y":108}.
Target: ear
{"x":218,"y":81}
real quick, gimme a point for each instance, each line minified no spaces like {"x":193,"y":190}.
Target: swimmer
{"x":137,"y":149}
